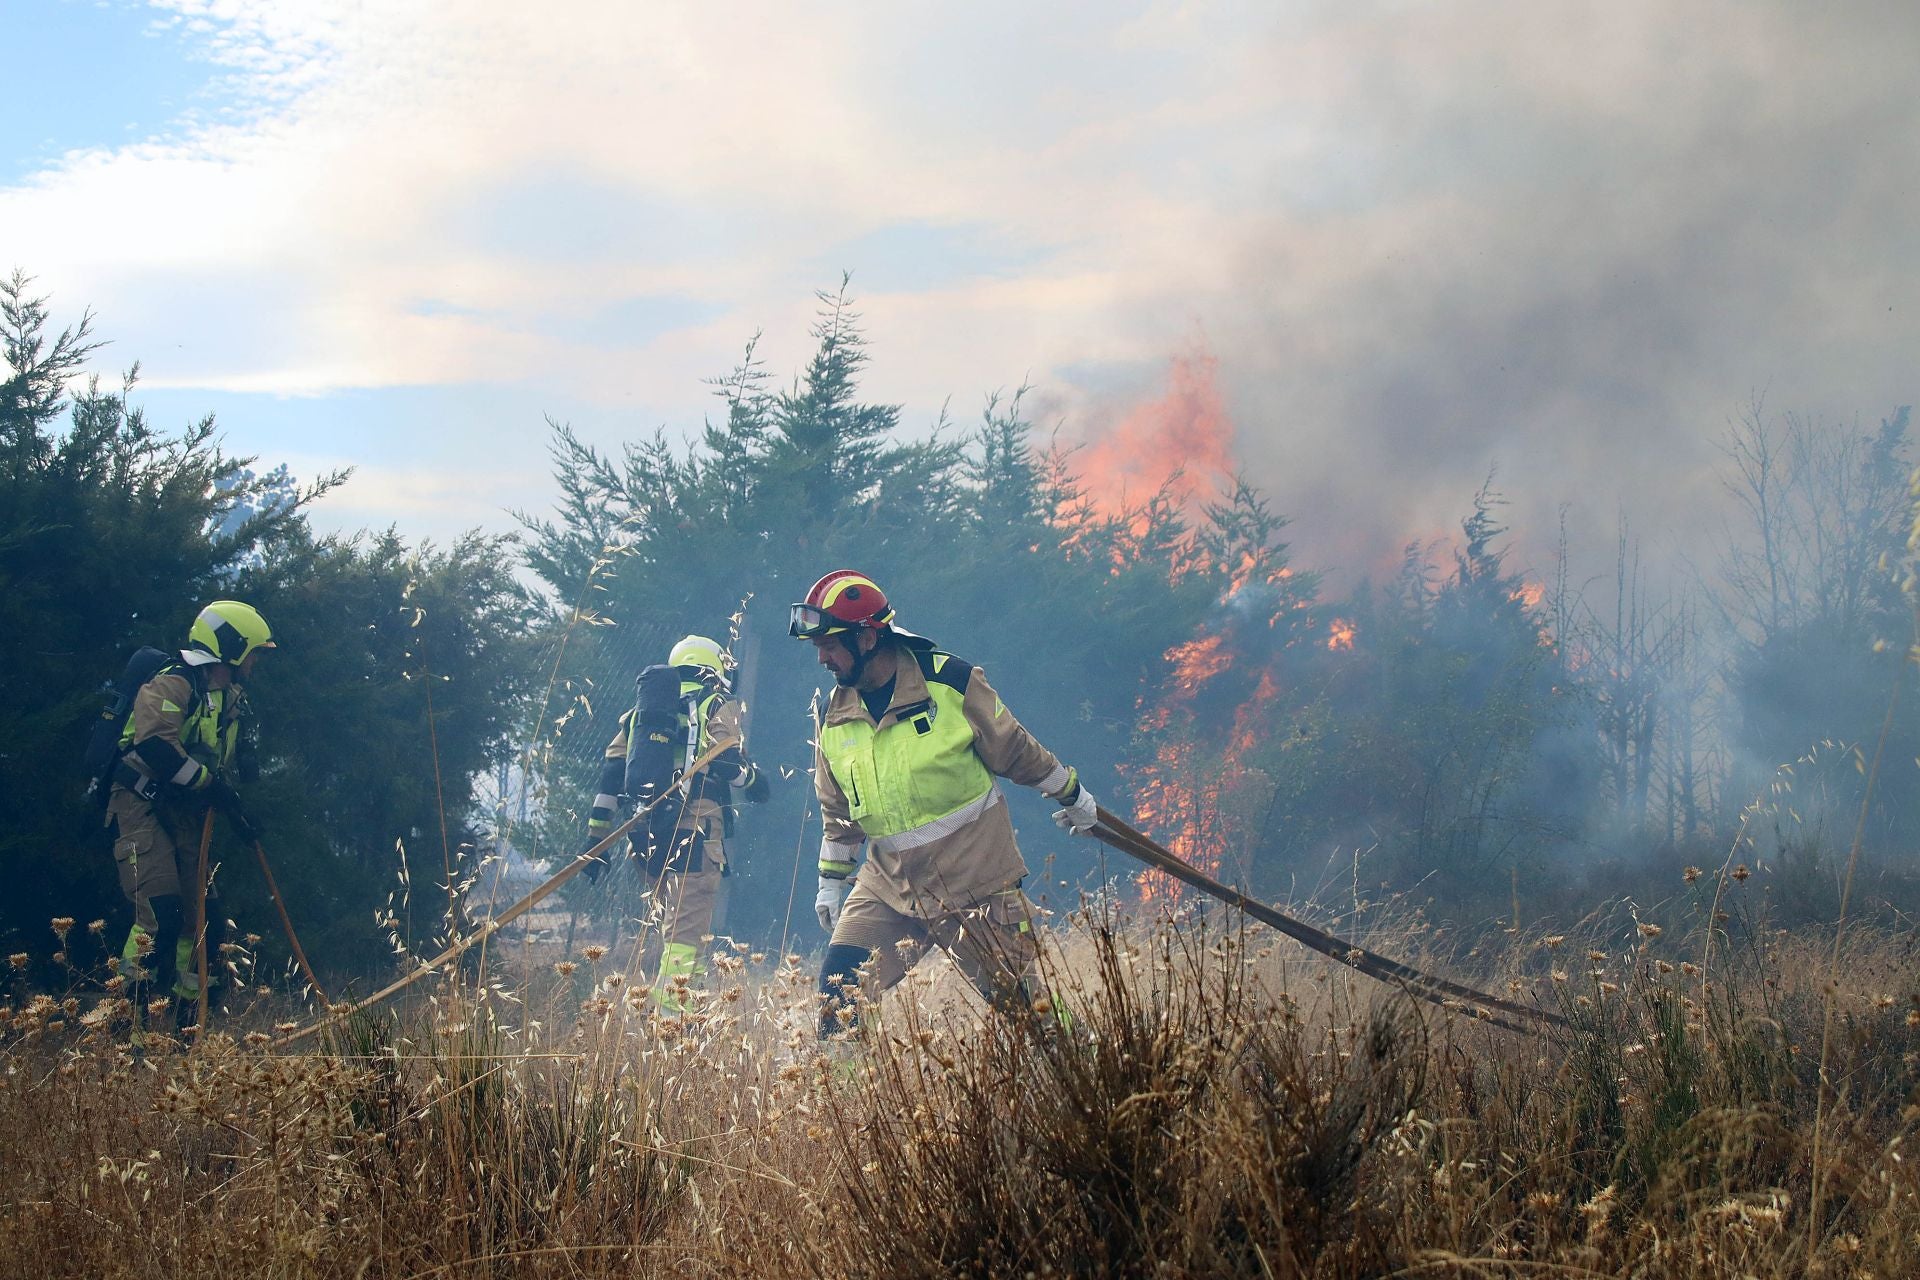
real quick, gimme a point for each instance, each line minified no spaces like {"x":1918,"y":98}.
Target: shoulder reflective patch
{"x":999,"y":708}
{"x":944,"y":668}
{"x":168,"y":706}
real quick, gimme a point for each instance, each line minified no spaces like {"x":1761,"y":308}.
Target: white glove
{"x":1078,"y":813}
{"x":831,"y":900}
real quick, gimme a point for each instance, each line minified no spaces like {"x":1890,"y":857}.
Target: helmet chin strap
{"x":852,"y":679}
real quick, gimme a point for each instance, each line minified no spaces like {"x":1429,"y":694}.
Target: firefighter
{"x":177,"y":747}
{"x":685,"y":857}
{"x":908,"y":757}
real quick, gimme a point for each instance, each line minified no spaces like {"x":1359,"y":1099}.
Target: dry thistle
{"x":1597,"y":1210}
{"x":1691,"y":874}
{"x":1741,"y":872}
{"x":60,"y":926}
{"x":18,"y":959}
{"x":1650,"y":930}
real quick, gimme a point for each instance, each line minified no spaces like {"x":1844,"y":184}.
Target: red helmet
{"x":842,"y":601}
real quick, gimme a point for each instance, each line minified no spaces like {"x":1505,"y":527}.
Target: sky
{"x":1386,"y":248}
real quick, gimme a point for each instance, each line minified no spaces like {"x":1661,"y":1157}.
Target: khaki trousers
{"x":680,"y":904}
{"x":152,"y":860}
{"x":993,"y":942}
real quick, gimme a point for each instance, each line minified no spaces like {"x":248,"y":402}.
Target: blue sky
{"x":1421,"y":240}
{"x":95,"y":73}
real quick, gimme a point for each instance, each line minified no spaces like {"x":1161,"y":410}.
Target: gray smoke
{"x":1574,"y":241}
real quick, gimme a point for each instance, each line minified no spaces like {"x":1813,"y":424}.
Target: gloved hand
{"x":221,"y":795}
{"x":831,"y":900}
{"x":757,"y":788}
{"x":1077,"y":814}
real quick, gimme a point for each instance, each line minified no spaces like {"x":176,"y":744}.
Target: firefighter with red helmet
{"x":909,"y":756}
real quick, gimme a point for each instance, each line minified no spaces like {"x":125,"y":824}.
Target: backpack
{"x":102,"y":751}
{"x":654,"y":760}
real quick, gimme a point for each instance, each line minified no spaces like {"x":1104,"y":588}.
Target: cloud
{"x":1419,"y":240}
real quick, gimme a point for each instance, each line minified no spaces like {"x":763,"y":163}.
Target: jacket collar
{"x":909,"y":687}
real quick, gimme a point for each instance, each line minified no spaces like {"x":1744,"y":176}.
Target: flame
{"x":1182,"y":439}
{"x":1340,"y":635}
{"x":1177,"y":446}
{"x":1529,"y":595}
{"x":1185,"y":795}
{"x":1197,"y":661}
{"x":1251,"y":719}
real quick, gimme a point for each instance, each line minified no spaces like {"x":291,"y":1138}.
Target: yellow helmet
{"x":227,"y":631}
{"x":701,"y":653}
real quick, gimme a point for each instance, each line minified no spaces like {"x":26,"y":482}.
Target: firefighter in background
{"x":176,"y":750}
{"x":908,"y":757}
{"x":685,"y":856}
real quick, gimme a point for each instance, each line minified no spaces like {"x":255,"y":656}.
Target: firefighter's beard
{"x":857,"y":668}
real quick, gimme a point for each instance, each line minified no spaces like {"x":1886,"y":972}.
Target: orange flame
{"x":1184,"y":795}
{"x":1184,"y":432}
{"x":1340,"y":635}
{"x":1529,"y":594}
{"x":1197,"y":661}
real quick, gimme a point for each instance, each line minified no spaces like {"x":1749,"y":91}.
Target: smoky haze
{"x":1572,"y":242}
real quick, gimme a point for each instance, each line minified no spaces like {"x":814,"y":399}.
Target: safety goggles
{"x":806,"y":622}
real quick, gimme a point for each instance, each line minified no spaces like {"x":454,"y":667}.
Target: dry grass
{"x":1210,"y":1105}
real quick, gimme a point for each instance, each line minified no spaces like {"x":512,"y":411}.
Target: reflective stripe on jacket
{"x":178,"y":733}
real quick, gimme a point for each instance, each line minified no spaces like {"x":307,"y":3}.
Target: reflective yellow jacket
{"x":178,"y":739}
{"x":919,"y":787}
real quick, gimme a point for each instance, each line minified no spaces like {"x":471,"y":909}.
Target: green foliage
{"x":1425,"y":728}
{"x":402,"y":673}
{"x":112,"y":534}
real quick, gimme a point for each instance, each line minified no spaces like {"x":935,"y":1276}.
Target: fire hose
{"x":495,"y":923}
{"x":279,"y":905}
{"x":1117,"y":834}
{"x":286,"y":923}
